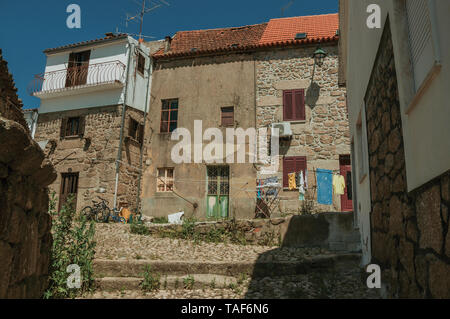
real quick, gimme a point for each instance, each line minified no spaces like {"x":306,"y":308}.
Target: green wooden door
{"x":217,"y":200}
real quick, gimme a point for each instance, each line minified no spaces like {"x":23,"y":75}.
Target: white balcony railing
{"x":78,"y":77}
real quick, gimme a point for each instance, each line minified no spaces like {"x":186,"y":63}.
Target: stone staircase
{"x":115,"y":276}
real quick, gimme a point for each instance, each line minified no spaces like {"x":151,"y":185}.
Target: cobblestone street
{"x":114,"y":244}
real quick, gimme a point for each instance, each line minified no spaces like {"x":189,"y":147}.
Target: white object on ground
{"x":175,"y":218}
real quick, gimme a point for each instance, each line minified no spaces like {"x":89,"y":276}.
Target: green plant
{"x":242,"y":278}
{"x":188,"y":229}
{"x":189,"y":282}
{"x":73,"y":244}
{"x":160,"y":220}
{"x":151,"y":280}
{"x":139,"y":228}
{"x":213,"y":283}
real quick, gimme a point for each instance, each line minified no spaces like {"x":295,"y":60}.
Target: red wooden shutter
{"x":288,"y":167}
{"x":288,"y":111}
{"x":227,"y":114}
{"x":300,"y":164}
{"x":299,"y":102}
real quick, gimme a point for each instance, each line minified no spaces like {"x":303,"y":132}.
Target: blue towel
{"x":324,"y":186}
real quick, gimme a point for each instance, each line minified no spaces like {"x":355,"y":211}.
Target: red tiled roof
{"x":109,"y":37}
{"x":277,"y":32}
{"x":319,"y":27}
{"x":185,"y":42}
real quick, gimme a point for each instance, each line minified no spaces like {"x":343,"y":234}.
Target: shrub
{"x":160,"y":220}
{"x":151,"y":280}
{"x":139,"y":229}
{"x":73,"y":243}
{"x":189,"y":282}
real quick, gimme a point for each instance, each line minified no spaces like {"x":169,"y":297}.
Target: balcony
{"x":78,"y":80}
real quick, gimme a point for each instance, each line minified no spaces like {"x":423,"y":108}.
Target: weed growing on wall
{"x":73,"y":244}
{"x":151,"y":280}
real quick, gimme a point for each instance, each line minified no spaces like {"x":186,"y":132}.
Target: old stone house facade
{"x":397,"y":82}
{"x":236,"y":78}
{"x":320,"y":134}
{"x":91,"y":118}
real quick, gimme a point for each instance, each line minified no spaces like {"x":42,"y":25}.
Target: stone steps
{"x":195,"y":281}
{"x":136,"y":268}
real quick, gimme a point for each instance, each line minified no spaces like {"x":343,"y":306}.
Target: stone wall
{"x":25,"y":238}
{"x":10,"y":104}
{"x":324,"y":135}
{"x":410,"y":238}
{"x":93,"y":156}
{"x":331,"y":231}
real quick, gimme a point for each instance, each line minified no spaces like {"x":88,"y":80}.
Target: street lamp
{"x":319,"y":56}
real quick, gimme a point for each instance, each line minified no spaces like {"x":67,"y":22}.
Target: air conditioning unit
{"x":284,"y":129}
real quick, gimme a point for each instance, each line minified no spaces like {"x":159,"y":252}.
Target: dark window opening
{"x":141,"y":63}
{"x":169,"y":116}
{"x":72,"y":126}
{"x":136,"y":130}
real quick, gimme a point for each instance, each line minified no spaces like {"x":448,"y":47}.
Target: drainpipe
{"x":119,"y":154}
{"x":149,"y":83}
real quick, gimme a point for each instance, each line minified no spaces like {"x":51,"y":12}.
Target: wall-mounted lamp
{"x":319,"y":55}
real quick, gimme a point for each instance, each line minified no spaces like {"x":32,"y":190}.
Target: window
{"x":293,"y":164}
{"x":136,"y":130}
{"x":141,"y":64}
{"x":169,"y":116}
{"x":227,"y":116}
{"x":72,"y":127}
{"x":424,"y":52}
{"x":294,"y":105}
{"x":165,"y":179}
{"x":69,"y":188}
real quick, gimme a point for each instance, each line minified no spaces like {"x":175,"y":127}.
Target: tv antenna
{"x":287,"y":6}
{"x":146,"y":7}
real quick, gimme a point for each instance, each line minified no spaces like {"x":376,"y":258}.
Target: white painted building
{"x":92,"y":74}
{"x":421,"y":49}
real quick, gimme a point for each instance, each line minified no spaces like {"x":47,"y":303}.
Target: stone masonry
{"x":410,"y":238}
{"x":324,"y":135}
{"x":25,"y":238}
{"x":94,"y":154}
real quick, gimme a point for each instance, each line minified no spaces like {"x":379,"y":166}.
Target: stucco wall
{"x":203,"y":86}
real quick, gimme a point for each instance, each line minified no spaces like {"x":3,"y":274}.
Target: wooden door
{"x":217,"y":201}
{"x":78,"y":67}
{"x":346,"y":171}
{"x":69,"y":186}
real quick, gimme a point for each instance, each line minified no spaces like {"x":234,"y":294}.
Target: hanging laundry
{"x":301,"y":186}
{"x":338,"y":184}
{"x":292,"y":184}
{"x":324,"y":186}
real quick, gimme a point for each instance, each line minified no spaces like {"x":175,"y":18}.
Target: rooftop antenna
{"x":283,"y":9}
{"x":146,"y":6}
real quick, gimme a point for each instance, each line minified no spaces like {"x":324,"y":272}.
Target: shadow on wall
{"x":312,"y":94}
{"x":316,"y":253}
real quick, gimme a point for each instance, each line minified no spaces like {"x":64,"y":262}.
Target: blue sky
{"x":27,"y":27}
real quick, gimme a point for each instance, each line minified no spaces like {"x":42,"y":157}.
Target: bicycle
{"x":99,"y":212}
{"x":115,"y":217}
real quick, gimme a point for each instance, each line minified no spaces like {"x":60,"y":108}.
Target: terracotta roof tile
{"x":277,"y":32}
{"x":319,"y":27}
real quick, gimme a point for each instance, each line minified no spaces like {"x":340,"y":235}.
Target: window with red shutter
{"x":294,"y":105}
{"x":227,"y":116}
{"x":293,"y":164}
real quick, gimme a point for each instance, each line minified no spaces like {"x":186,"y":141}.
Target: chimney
{"x":168,"y":40}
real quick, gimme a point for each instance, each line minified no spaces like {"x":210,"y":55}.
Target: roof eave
{"x":278,"y":44}
{"x":81,"y":45}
